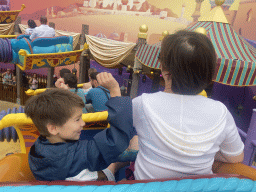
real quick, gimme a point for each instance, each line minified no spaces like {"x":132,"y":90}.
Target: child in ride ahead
{"x":181,"y":133}
{"x":58,"y":154}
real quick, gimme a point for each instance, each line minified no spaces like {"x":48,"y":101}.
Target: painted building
{"x":86,"y":3}
{"x":245,"y":19}
{"x":92,"y":3}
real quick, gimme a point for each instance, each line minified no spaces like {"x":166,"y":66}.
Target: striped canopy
{"x":236,"y":57}
{"x":148,"y":55}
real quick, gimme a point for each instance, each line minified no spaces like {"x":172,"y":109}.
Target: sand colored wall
{"x":247,"y":28}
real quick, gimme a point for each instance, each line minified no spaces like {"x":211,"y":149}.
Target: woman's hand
{"x":107,"y":81}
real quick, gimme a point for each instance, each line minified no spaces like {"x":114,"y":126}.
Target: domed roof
{"x":114,"y":35}
{"x":100,"y":35}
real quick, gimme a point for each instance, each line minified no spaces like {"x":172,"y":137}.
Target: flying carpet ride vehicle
{"x":16,"y":175}
{"x":15,"y":172}
{"x":40,"y":52}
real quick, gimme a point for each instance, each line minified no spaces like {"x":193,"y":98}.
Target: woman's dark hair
{"x":31,"y":23}
{"x":190,"y":59}
{"x":71,"y":80}
{"x":63,"y":71}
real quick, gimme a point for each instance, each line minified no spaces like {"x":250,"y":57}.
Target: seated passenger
{"x":181,"y":133}
{"x":61,"y":80}
{"x":31,"y":27}
{"x":88,"y":86}
{"x":70,"y":83}
{"x":58,"y":154}
{"x":33,"y":82}
{"x":43,"y":30}
{"x":98,"y":96}
{"x":7,"y":77}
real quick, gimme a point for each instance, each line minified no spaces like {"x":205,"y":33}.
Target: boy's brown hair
{"x":54,"y":106}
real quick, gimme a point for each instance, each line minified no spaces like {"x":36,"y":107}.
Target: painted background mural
{"x":120,"y":19}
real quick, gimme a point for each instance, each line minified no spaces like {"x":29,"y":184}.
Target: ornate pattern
{"x":48,"y":60}
{"x":8,"y":16}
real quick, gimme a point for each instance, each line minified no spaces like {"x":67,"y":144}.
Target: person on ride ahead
{"x":60,"y":81}
{"x":58,"y":154}
{"x":181,"y":133}
{"x":43,"y":30}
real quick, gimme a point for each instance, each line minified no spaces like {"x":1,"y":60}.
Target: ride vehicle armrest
{"x":17,"y":45}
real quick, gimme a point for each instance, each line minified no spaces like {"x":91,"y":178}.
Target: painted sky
{"x":33,"y":6}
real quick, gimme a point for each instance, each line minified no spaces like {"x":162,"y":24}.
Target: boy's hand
{"x":107,"y":81}
{"x":63,"y":86}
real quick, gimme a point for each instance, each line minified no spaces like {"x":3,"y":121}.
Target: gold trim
{"x":22,"y":52}
{"x":8,"y":36}
{"x":21,"y":9}
{"x":18,"y":119}
{"x":142,"y":35}
{"x":54,"y":54}
{"x":80,"y":85}
{"x":45,"y":55}
{"x":232,"y":85}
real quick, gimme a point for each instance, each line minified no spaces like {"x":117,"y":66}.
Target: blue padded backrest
{"x":63,"y":48}
{"x":23,"y":36}
{"x":49,"y":41}
{"x":71,"y":41}
{"x":39,"y":49}
{"x":15,"y":57}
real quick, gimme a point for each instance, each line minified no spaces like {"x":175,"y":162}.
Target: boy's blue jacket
{"x":59,"y":161}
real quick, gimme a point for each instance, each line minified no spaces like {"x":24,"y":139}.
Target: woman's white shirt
{"x":179,"y":135}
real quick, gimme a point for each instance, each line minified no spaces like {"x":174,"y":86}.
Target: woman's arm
{"x":229,"y":159}
{"x":232,"y":148}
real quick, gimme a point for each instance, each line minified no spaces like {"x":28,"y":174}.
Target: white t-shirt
{"x":179,"y":135}
{"x":42,"y":31}
{"x":29,"y":31}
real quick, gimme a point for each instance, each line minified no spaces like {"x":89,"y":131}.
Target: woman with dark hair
{"x":33,"y":82}
{"x":31,"y":27}
{"x":181,"y":133}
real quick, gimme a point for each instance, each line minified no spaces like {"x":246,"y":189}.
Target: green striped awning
{"x":236,"y":57}
{"x":148,"y":55}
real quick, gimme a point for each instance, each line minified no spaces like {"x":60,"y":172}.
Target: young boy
{"x":58,"y":154}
